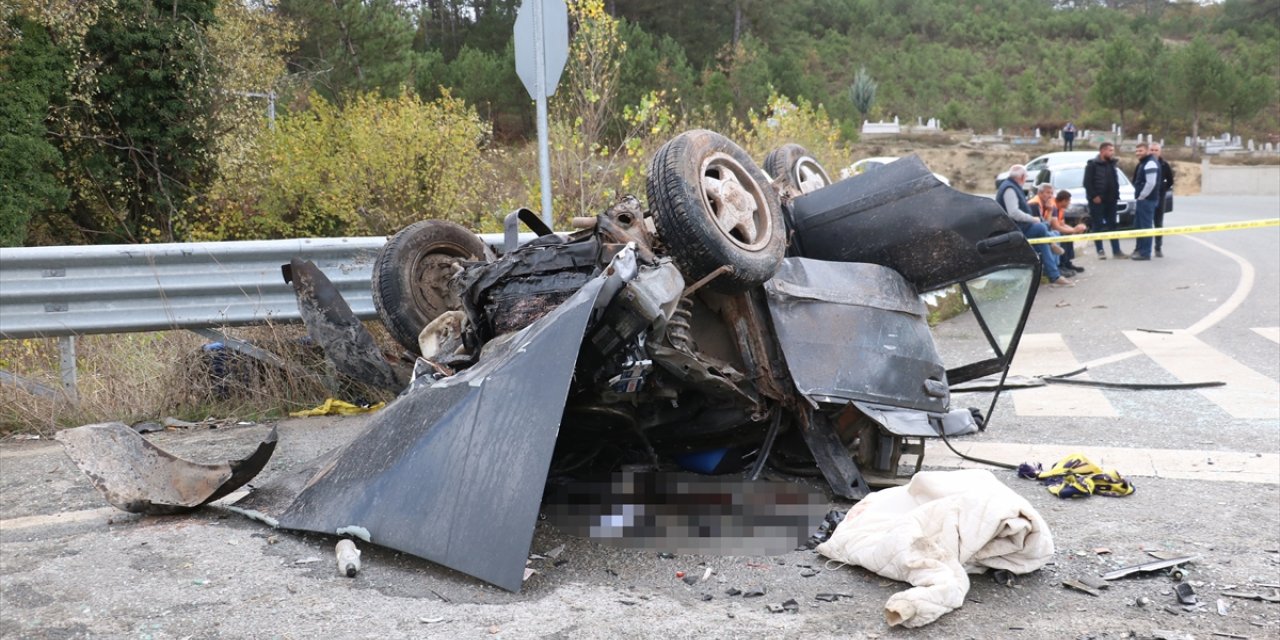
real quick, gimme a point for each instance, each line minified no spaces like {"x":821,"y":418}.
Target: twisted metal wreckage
{"x":738,"y":321}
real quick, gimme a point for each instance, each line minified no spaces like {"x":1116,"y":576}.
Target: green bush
{"x":369,"y":168}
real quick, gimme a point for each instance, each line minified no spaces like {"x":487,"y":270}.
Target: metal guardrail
{"x":80,"y":290}
{"x":64,"y":291}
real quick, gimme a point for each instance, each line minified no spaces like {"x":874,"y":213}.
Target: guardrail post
{"x":67,"y":366}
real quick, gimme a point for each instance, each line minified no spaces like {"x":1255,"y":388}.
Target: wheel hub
{"x":737,"y":208}
{"x":808,"y":176}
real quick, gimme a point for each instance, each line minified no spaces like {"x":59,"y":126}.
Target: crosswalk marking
{"x":1047,"y":354}
{"x":1247,"y":394}
{"x":1223,"y":466}
{"x":1270,"y":333}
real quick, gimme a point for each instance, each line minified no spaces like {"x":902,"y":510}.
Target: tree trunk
{"x":1195,"y":133}
{"x":737,"y":21}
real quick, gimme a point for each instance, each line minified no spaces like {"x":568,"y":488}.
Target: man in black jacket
{"x":1166,"y":193}
{"x":1102,"y":190}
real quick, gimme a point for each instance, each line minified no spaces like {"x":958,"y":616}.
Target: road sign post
{"x":542,"y":48}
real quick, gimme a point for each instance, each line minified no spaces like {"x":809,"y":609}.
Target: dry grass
{"x":147,"y":376}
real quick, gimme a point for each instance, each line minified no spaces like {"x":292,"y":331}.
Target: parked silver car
{"x":1071,"y":178}
{"x":1050,"y":160}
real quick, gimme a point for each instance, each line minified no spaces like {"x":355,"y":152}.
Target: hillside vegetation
{"x":148,"y":120}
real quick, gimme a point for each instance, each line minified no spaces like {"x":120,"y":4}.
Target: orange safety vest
{"x":1047,"y":208}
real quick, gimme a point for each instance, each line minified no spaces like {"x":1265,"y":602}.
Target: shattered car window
{"x":998,"y":300}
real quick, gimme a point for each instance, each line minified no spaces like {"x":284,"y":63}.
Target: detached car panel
{"x":853,"y":331}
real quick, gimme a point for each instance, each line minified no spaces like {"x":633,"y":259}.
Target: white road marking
{"x":67,"y":517}
{"x":1047,"y":354}
{"x":1218,"y":466}
{"x":1270,"y":333}
{"x":1243,"y":287}
{"x":1236,"y":298}
{"x":1247,"y":394}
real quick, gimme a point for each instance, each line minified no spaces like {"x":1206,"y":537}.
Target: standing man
{"x":1146,"y":182}
{"x":1102,"y":190}
{"x":1014,"y":202}
{"x":1069,"y":137}
{"x":1166,"y":193}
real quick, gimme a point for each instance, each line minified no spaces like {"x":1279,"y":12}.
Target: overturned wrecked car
{"x":741,"y":320}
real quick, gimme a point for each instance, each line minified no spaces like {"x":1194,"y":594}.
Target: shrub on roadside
{"x":369,"y":168}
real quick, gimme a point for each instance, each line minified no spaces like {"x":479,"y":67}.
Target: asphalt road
{"x":1206,"y":467}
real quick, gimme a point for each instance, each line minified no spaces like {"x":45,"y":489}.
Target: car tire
{"x":797,"y":167}
{"x":411,"y":276}
{"x":713,"y":207}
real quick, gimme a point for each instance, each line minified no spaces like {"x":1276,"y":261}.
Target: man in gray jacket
{"x":1014,"y":202}
{"x":1146,"y":182}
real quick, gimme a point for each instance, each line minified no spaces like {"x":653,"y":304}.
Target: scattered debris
{"x":732,"y":591}
{"x":1142,"y":601}
{"x":831,"y":597}
{"x":430,"y":620}
{"x":1228,"y":635}
{"x":1102,"y":551}
{"x":1186,"y":594}
{"x":348,"y":558}
{"x":775,"y":608}
{"x":1249,"y":595}
{"x":1177,"y":574}
{"x":706,"y":575}
{"x":706,"y":597}
{"x":1062,"y":304}
{"x":829,"y":523}
{"x":494,"y":629}
{"x":139,"y":477}
{"x":1223,"y":607}
{"x":356,"y":532}
{"x":680,"y":574}
{"x":555,"y":553}
{"x":754,"y":592}
{"x":528,"y":573}
{"x":1081,"y":586}
{"x":691,"y":580}
{"x":1095,"y":582}
{"x":666,"y":556}
{"x":791,"y":605}
{"x":809,"y":573}
{"x":1003,"y":577}
{"x":1148,"y":567}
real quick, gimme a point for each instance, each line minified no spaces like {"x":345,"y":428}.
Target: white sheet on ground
{"x":935,"y":530}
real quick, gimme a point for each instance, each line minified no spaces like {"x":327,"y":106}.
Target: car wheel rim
{"x":735,"y":202}
{"x":432,"y":271}
{"x":809,"y":175}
